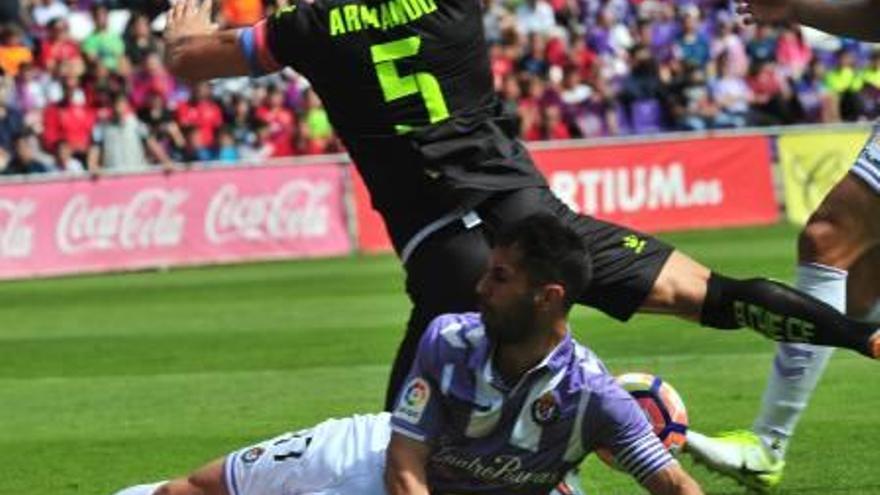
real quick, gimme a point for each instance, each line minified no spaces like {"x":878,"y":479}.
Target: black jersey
{"x":408,"y":88}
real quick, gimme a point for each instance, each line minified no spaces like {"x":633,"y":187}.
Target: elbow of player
{"x":393,"y":479}
{"x":689,"y":487}
{"x":686,"y":485}
{"x":672,"y":480}
{"x":398,"y":481}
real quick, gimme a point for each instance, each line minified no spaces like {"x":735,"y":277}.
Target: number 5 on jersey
{"x":394,"y":86}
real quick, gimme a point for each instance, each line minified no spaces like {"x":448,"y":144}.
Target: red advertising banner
{"x":194,"y":217}
{"x":655,"y":186}
{"x":674,"y":185}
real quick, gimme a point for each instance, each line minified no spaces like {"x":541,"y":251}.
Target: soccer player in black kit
{"x":407,"y":86}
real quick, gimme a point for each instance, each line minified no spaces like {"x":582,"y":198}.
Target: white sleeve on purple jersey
{"x":616,"y":422}
{"x":417,"y":413}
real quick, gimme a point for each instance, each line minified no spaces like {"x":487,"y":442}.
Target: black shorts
{"x":443,"y":271}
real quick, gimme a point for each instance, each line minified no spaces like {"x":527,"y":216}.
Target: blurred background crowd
{"x":83,"y":87}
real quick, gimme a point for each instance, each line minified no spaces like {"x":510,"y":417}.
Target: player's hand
{"x":189,"y":18}
{"x":765,"y":10}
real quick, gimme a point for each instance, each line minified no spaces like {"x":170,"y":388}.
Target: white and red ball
{"x":661,"y":404}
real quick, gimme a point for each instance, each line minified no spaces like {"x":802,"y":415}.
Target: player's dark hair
{"x":551,"y":253}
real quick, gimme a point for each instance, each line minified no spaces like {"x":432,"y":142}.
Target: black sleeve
{"x":294,"y":34}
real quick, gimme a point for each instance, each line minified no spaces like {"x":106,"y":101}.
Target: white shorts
{"x":336,"y":457}
{"x":867,"y":166}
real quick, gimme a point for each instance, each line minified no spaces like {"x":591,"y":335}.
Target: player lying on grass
{"x":841,"y":237}
{"x":503,"y":402}
{"x":408,"y":87}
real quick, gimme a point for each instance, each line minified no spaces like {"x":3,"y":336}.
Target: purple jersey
{"x":489,"y":437}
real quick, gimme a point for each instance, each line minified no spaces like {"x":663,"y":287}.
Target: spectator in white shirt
{"x":535,"y":16}
{"x":65,"y":162}
{"x":46,"y":10}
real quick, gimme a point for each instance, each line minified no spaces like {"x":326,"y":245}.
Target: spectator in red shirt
{"x":152,"y":78}
{"x":554,"y":125}
{"x":100,"y":86}
{"x":58,"y":45}
{"x":556,"y":49}
{"x":792,"y":52}
{"x":281,"y":122}
{"x":202,"y":113}
{"x":583,"y":58}
{"x":69,"y":120}
{"x":502,"y":65}
{"x":305,"y":143}
{"x":530,"y":108}
{"x":771,"y":96}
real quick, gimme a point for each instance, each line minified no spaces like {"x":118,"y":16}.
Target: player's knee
{"x":816,"y":240}
{"x":842,"y":228}
{"x":831,"y":238}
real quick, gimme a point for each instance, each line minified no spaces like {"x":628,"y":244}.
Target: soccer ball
{"x":662,"y":406}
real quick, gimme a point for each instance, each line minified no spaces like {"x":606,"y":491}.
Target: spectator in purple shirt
{"x":664,"y":31}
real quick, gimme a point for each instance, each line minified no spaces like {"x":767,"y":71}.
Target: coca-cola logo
{"x":16,"y":235}
{"x":299,"y":209}
{"x":150,"y":219}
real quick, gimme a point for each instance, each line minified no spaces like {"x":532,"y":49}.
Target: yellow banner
{"x":811,"y":164}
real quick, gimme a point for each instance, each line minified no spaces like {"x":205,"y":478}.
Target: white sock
{"x":141,"y":489}
{"x":798,"y":367}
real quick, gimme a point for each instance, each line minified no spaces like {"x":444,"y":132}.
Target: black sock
{"x":780,"y":313}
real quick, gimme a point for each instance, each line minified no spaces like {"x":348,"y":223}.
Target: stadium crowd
{"x":84,"y":88}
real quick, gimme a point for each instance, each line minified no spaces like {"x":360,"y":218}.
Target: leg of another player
{"x":631,"y":268}
{"x":863,"y":291}
{"x":207,"y":480}
{"x":842,"y":234}
{"x":838,"y":235}
{"x":686,"y":288}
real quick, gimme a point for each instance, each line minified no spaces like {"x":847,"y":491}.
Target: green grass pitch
{"x":106,"y":381}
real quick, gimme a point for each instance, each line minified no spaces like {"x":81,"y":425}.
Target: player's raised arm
{"x":672,"y":480}
{"x":853,"y":18}
{"x":405,"y":472}
{"x":197,"y":50}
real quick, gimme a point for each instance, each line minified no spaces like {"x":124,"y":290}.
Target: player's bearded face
{"x":512,"y":324}
{"x":507,"y":300}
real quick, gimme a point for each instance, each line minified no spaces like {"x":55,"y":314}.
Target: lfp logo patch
{"x":414,"y":400}
{"x":544,"y":409}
